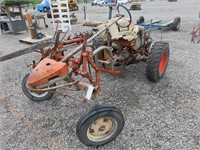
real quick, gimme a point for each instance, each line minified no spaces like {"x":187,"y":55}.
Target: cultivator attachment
{"x":49,"y":71}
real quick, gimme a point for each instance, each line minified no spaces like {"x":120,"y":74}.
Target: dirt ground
{"x":163,"y":115}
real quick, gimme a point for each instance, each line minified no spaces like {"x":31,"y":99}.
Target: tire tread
{"x":154,"y":60}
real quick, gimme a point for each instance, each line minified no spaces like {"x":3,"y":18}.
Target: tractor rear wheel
{"x":35,"y":96}
{"x":176,"y":24}
{"x":100,"y":125}
{"x":157,"y":61}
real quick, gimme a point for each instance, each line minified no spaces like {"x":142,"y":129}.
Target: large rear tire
{"x":157,"y":61}
{"x":101,"y":125}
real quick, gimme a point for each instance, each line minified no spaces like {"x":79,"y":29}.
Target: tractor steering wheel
{"x":121,"y":15}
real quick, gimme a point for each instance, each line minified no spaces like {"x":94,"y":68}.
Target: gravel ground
{"x":162,"y":115}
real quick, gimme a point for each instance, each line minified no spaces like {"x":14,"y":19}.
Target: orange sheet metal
{"x":45,"y":71}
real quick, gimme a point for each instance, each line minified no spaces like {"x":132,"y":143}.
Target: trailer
{"x":158,"y":24}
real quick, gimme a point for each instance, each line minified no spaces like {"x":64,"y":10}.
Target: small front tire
{"x":35,"y":96}
{"x":101,"y":125}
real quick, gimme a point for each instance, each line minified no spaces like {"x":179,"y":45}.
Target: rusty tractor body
{"x":116,"y":43}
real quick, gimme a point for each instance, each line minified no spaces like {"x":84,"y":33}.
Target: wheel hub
{"x":163,"y":63}
{"x":101,"y":129}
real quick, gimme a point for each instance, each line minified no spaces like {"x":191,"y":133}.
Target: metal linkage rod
{"x":90,"y":39}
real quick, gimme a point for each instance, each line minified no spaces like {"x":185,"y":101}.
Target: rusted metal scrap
{"x":196,"y":34}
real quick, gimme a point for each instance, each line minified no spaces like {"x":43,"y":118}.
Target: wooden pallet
{"x":34,"y":41}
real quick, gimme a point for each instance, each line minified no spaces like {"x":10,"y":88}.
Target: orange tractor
{"x":116,"y":43}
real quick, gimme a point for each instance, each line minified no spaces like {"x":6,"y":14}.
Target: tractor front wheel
{"x":35,"y":96}
{"x":157,"y":61}
{"x":101,"y":125}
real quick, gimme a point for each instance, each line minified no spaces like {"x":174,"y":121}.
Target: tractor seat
{"x":132,"y":33}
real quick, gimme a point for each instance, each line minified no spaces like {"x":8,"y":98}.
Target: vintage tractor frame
{"x":114,"y":44}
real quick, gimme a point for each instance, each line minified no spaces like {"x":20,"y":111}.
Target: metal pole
{"x":110,"y":13}
{"x":84,"y":9}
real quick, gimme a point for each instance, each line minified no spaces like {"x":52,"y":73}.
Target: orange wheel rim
{"x":163,"y":63}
